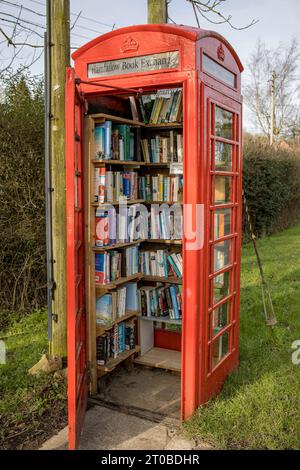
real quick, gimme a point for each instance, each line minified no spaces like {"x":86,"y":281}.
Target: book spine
{"x":108,"y":133}
{"x":102,"y":229}
{"x":174,"y":302}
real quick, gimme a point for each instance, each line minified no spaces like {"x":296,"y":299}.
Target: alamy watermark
{"x":159,"y":221}
{"x":2,"y":352}
{"x":296,"y":353}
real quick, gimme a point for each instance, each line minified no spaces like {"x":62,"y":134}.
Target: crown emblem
{"x":129,"y":45}
{"x":221,"y":52}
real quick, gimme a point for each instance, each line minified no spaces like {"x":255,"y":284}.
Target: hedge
{"x":271,"y":182}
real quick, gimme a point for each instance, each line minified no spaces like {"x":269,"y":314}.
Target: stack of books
{"x":107,"y":267}
{"x":113,"y":306}
{"x":112,"y":265}
{"x":161,"y":263}
{"x":130,"y":224}
{"x":164,"y":107}
{"x":111,"y":186}
{"x":162,"y":301}
{"x":112,"y":343}
{"x":113,"y":142}
{"x":124,"y":225}
{"x":160,"y":188}
{"x":163,"y":148}
{"x":110,"y":307}
{"x":165,"y":224}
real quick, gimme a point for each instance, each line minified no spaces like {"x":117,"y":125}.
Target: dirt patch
{"x":41,"y":413}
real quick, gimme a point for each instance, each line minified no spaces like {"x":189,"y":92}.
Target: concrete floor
{"x":141,"y":412}
{"x":106,"y":429}
{"x":154,"y":390}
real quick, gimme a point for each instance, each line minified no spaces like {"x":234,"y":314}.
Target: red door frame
{"x":76,"y":314}
{"x":212,"y":380}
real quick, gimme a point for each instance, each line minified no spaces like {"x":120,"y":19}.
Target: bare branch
{"x":7,"y":38}
{"x":210,"y":8}
{"x":283,"y":60}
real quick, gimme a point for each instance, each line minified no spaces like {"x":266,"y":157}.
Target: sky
{"x":278,"y":22}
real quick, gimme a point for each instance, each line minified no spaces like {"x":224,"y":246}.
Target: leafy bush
{"x":271,"y":181}
{"x":22,"y":211}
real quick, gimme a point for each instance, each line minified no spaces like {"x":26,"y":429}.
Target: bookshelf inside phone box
{"x":153,"y":210}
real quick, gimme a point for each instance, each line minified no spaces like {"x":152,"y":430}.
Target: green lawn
{"x":259,"y":407}
{"x":31,"y":408}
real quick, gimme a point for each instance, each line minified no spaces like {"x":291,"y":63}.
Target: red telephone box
{"x":201,"y":68}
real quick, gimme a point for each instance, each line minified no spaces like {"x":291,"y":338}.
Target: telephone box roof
{"x":188,"y":32}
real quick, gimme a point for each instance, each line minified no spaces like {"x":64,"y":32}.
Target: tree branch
{"x":208,"y":9}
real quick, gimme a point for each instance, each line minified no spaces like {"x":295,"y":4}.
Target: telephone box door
{"x":223,"y":235}
{"x":76,"y":313}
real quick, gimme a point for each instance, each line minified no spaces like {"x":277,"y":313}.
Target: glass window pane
{"x":220,"y":318}
{"x":221,"y":286}
{"x":223,"y":156}
{"x":222,"y":223}
{"x":212,"y":67}
{"x":220,"y":347}
{"x":221,"y":254}
{"x":223,"y":189}
{"x":223,"y":127}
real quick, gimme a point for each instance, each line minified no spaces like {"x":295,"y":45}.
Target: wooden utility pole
{"x":59,"y":24}
{"x":157,"y":11}
{"x":272,"y":125}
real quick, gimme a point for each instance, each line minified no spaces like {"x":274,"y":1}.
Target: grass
{"x":30,"y":407}
{"x":259,"y":407}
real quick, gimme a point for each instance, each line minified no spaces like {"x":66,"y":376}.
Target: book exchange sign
{"x":146,"y":63}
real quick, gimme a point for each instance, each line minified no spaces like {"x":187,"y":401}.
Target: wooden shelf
{"x":113,"y":363}
{"x":162,"y":241}
{"x":170,"y":280}
{"x":166,"y":125}
{"x":170,"y":203}
{"x":118,"y":162}
{"x":158,"y":164}
{"x":162,"y":319}
{"x":101,"y":249}
{"x":127,"y":202}
{"x":122,"y":280}
{"x":129,"y":314}
{"x":101,"y":117}
{"x":161,"y":358}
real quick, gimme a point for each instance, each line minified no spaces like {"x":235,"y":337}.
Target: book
{"x":99,"y":184}
{"x":104,"y":313}
{"x":124,"y":141}
{"x":134,"y":109}
{"x":101,"y":228}
{"x":102,"y":140}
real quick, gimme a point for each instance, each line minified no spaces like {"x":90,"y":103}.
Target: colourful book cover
{"x":101,"y":228}
{"x":100,"y":260}
{"x":104,"y":310}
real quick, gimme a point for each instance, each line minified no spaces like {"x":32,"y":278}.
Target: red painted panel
{"x":76,"y":315}
{"x":167,"y":339}
{"x":212,"y":379}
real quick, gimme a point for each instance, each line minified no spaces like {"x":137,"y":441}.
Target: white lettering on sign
{"x":146,"y":63}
